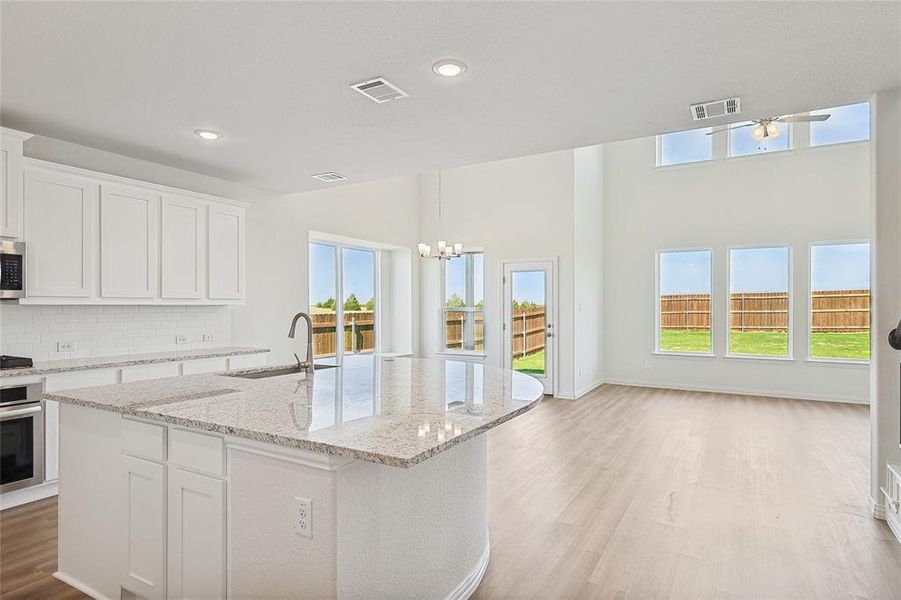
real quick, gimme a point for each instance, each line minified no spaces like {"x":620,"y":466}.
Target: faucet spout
{"x":308,"y":366}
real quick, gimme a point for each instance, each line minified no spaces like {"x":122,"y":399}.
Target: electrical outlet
{"x":65,"y":346}
{"x":181,"y":339}
{"x":303,"y":524}
{"x":209,"y":337}
{"x":647,"y":364}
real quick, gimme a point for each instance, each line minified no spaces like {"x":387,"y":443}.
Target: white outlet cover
{"x":65,"y":346}
{"x":303,"y":522}
{"x":181,"y":339}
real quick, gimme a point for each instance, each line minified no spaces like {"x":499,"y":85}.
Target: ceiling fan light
{"x":758,"y":133}
{"x":772,"y":129}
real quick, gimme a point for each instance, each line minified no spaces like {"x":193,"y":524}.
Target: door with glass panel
{"x":529,"y":334}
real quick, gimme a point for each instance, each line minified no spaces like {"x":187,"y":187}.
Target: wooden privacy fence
{"x":833,"y":311}
{"x":528,"y":329}
{"x":455,"y":326}
{"x":359,"y":332}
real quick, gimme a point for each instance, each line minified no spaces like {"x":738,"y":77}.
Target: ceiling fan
{"x":769,"y":126}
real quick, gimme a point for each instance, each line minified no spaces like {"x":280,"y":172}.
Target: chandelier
{"x":444,"y":250}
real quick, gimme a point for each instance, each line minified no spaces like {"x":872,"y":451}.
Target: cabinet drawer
{"x":246,"y":361}
{"x":205,"y":365}
{"x":80,"y":379}
{"x":144,"y":439}
{"x":143,"y":372}
{"x":196,"y":451}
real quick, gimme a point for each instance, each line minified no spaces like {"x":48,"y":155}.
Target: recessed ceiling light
{"x":449,"y":68}
{"x":207,"y":134}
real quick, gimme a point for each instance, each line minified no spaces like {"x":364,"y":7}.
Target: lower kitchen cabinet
{"x":196,"y":528}
{"x":144,"y":554}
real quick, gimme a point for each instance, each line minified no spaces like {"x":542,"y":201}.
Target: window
{"x":742,"y":144}
{"x":683,"y":301}
{"x":356,"y":312}
{"x":759,"y":301}
{"x":840,"y":301}
{"x":464,"y":299}
{"x":693,"y":145}
{"x":849,"y":123}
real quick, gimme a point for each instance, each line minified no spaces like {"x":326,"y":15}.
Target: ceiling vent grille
{"x":717,"y":108}
{"x":379,"y":90}
{"x":329,"y":177}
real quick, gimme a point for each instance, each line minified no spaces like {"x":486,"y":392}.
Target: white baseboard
{"x":894,"y":523}
{"x":739,"y":391}
{"x":24,"y":496}
{"x":877,"y":508}
{"x":68,"y":580}
{"x":468,"y":586}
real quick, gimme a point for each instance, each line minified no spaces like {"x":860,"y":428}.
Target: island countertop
{"x":392,"y":411}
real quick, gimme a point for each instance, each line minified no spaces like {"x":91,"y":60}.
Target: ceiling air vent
{"x":717,"y":108}
{"x":329,"y":177}
{"x":379,"y":90}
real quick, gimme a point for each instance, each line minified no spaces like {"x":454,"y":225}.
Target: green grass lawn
{"x":822,"y":345}
{"x":532,"y":363}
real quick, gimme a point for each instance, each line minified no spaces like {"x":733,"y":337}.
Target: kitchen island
{"x":362,"y":481}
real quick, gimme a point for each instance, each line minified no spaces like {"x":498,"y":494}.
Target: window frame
{"x":442,"y":310}
{"x":657,"y":146}
{"x":810,"y":246}
{"x":810,"y":144}
{"x":657,"y":350}
{"x":789,"y":357}
{"x":790,"y":132}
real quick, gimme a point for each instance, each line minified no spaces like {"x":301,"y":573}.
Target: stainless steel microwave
{"x":12,"y":269}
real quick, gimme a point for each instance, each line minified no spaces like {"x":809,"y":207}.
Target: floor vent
{"x":379,"y":90}
{"x":329,"y":177}
{"x":716,"y":108}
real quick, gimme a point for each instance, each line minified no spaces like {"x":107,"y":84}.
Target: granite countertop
{"x":391,"y":411}
{"x":124,"y":360}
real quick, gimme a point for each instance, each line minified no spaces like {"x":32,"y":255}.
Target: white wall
{"x":278,"y":253}
{"x":515,"y":209}
{"x":796,"y":197}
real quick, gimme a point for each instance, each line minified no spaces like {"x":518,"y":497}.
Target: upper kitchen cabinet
{"x":128,"y":242}
{"x":184,"y":234}
{"x":226,"y":252}
{"x":11,"y":182}
{"x":60,"y":229}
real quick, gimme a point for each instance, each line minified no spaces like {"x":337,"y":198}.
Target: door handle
{"x":19,"y":412}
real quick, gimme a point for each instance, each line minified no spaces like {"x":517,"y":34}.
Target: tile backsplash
{"x":36,"y":331}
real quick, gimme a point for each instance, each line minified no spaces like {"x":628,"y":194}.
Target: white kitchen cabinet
{"x":60,"y":221}
{"x":128,"y":242}
{"x":144,"y":553}
{"x":183,"y":237}
{"x":51,"y":440}
{"x":196,"y":540}
{"x":11,"y":182}
{"x":226,"y":252}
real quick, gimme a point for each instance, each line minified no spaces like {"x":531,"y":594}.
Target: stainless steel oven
{"x":21,"y":436}
{"x":12,"y":269}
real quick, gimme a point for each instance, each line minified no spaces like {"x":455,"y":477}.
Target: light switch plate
{"x":181,"y":339}
{"x":65,"y":346}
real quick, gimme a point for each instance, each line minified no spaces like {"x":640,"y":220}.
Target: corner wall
{"x":795,"y":197}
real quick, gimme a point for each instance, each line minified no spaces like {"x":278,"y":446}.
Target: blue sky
{"x":455,"y":277}
{"x":528,"y":286}
{"x":359,"y":273}
{"x":685,"y":272}
{"x":686,"y":146}
{"x":845,"y":124}
{"x":840,"y":267}
{"x":758,"y":270}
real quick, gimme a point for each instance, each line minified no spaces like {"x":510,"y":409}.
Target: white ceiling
{"x":138,"y":78}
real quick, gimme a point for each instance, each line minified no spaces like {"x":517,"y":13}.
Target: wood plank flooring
{"x":641,"y":493}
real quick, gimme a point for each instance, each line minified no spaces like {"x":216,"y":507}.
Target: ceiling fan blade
{"x":728,"y":127}
{"x":802,"y":118}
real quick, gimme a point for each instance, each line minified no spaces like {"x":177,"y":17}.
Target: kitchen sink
{"x":293,"y":370}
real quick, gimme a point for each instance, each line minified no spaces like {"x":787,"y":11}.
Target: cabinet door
{"x":226,"y":252}
{"x":196,"y":544}
{"x":144,"y":555}
{"x":184,"y":223}
{"x":60,"y":211}
{"x":10,"y":187}
{"x":128,"y":242}
{"x":51,"y":440}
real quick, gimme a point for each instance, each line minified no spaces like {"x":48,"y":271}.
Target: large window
{"x":464,"y":300}
{"x":849,"y":123}
{"x":683,"y":301}
{"x":346,"y":303}
{"x":840,"y":301}
{"x":759,"y":301}
{"x":741,"y":143}
{"x":693,"y":145}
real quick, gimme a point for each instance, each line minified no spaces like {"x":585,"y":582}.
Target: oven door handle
{"x":19,"y":412}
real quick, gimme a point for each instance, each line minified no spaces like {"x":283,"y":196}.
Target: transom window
{"x":850,"y":123}
{"x":463,"y":312}
{"x":680,"y":147}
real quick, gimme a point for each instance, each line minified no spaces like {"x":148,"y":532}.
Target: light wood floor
{"x":639,"y":493}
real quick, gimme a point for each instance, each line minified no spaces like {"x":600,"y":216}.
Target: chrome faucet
{"x":307,"y":366}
